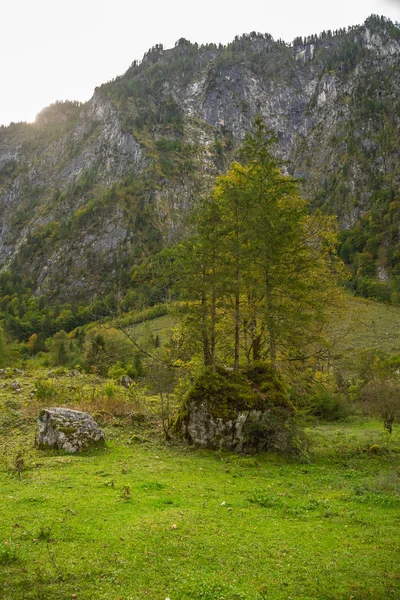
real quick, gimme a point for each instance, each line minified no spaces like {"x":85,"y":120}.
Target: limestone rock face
{"x":86,"y":189}
{"x":249,"y":431}
{"x":69,"y":430}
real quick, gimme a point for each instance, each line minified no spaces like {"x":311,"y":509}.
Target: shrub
{"x":45,"y":389}
{"x":264,"y":379}
{"x":109,"y":389}
{"x":382,"y":398}
{"x":108,"y":352}
{"x":224,"y":392}
{"x":326,"y":405}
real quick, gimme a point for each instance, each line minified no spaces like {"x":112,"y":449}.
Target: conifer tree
{"x":262,"y":272}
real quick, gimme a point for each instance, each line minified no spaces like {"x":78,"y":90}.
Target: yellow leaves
{"x":182,"y":364}
{"x":32,"y":341}
{"x":235,"y":177}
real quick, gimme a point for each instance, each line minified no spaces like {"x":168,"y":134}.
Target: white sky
{"x":62,"y":49}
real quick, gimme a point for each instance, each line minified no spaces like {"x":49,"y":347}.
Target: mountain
{"x":89,"y":190}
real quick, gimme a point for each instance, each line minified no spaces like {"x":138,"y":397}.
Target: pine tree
{"x":260,"y":271}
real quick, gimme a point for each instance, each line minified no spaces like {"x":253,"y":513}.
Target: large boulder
{"x":247,"y":412}
{"x":247,"y":431}
{"x":69,"y":430}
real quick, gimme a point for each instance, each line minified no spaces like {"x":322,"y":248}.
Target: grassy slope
{"x":365,"y":324}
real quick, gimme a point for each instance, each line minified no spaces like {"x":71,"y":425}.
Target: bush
{"x":382,"y":398}
{"x":106,"y":349}
{"x":265,"y":380}
{"x":110,"y":389}
{"x":326,"y":405}
{"x":45,"y":389}
{"x":224,"y":392}
{"x":3,"y":348}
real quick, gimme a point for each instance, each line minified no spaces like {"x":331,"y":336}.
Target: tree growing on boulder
{"x":259,"y":275}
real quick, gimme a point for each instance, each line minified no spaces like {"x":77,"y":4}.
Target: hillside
{"x":88,"y":191}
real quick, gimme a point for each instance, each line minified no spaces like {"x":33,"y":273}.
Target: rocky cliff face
{"x":88,"y":190}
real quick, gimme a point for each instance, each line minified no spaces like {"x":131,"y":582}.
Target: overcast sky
{"x":62,"y":49}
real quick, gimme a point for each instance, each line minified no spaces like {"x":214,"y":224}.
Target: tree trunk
{"x":237,"y":329}
{"x":237,"y":299}
{"x":256,"y":347}
{"x":206,"y":346}
{"x":213,"y":317}
{"x":270,"y":316}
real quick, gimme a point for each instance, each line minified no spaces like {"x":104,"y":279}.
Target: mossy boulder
{"x":243,"y":412}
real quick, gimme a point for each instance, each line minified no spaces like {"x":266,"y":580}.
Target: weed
{"x":8,"y":555}
{"x":19,"y":463}
{"x":265,"y":500}
{"x":126,"y":492}
{"x":44,"y":533}
{"x":390,"y":482}
{"x":110,"y":389}
{"x":152,"y":485}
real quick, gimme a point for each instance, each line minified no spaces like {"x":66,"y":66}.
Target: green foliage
{"x":8,"y":555}
{"x":325,"y":404}
{"x":362,"y":249}
{"x":61,"y":349}
{"x":224,"y":392}
{"x":382,"y":396}
{"x":259,"y":274}
{"x":45,"y":389}
{"x":109,"y":389}
{"x":3,"y":348}
{"x":108,"y":350}
{"x":266,"y":381}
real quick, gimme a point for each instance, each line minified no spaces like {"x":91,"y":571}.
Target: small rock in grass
{"x":73,"y":374}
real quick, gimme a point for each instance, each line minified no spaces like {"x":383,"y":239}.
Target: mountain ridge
{"x":91,"y":189}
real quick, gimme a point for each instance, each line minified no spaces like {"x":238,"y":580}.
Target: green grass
{"x":364,"y":324}
{"x":160,"y":326}
{"x":151,"y":520}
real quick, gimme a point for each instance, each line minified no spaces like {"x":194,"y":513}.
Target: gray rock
{"x":126,"y":381}
{"x":15,"y":386}
{"x":250,"y":431}
{"x":69,"y":430}
{"x":73,"y":374}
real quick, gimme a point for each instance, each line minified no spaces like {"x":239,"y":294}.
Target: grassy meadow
{"x":146,"y":518}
